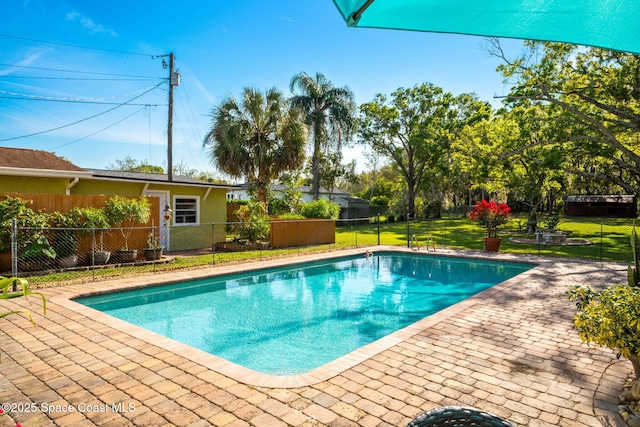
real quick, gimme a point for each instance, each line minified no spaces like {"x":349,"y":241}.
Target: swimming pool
{"x":294,"y":319}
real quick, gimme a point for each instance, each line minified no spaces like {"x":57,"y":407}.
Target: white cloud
{"x":89,"y":24}
{"x":28,"y":60}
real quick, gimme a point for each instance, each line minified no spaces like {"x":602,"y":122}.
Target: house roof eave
{"x":163,"y":182}
{"x":44,"y":173}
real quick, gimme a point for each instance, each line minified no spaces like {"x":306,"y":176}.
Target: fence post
{"x":601,"y":241}
{"x":408,"y":231}
{"x":378,"y":228}
{"x":14,"y":251}
{"x":298,"y":235}
{"x":155,"y":243}
{"x":260,"y":248}
{"x":213,"y":242}
{"x":355,"y":228}
{"x":93,"y":254}
{"x":445,"y":232}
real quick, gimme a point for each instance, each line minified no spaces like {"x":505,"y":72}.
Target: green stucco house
{"x":194,"y":204}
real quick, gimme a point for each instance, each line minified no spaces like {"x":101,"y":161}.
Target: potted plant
{"x":610,"y":318}
{"x":154,"y":249}
{"x":37,"y":254}
{"x":66,"y":238}
{"x":125,"y":213}
{"x":490,"y":215}
{"x":34,"y":249}
{"x":94,"y":220}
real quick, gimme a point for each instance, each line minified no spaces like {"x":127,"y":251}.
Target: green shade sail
{"x":610,"y":24}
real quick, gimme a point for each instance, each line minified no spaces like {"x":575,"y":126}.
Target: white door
{"x":163,"y":225}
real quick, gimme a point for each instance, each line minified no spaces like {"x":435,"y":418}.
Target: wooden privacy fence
{"x":305,"y":232}
{"x":50,"y":203}
{"x":62,"y":203}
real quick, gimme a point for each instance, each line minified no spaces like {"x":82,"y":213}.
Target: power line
{"x":79,"y":121}
{"x":80,"y":78}
{"x":75,"y":45}
{"x":103,"y":129}
{"x":52,"y":98}
{"x":80,"y":72}
{"x":80,"y":102}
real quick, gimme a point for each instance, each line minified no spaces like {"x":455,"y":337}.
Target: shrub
{"x":122,"y":209}
{"x":374,"y":219}
{"x":379,"y":201}
{"x":490,"y":215}
{"x":321,"y":208}
{"x":94,"y":219}
{"x":609,"y":318}
{"x":254,"y":222}
{"x":66,"y":241}
{"x":291,"y":216}
{"x":32,"y":238}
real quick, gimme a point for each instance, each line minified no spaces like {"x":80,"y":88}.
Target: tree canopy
{"x":414,"y":128}
{"x":592,"y":102}
{"x":258,"y":137}
{"x":330,"y":113}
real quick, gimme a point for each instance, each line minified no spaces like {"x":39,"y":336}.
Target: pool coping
{"x":323,"y":373}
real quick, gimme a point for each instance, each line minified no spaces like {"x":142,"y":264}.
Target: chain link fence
{"x":49,"y":256}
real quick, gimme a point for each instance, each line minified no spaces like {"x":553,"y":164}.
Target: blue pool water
{"x":294,"y":319}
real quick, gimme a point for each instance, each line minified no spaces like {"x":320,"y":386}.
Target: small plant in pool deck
{"x":490,"y":215}
{"x":6,"y":286}
{"x":610,"y":318}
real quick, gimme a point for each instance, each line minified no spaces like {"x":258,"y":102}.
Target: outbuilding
{"x":622,"y":206}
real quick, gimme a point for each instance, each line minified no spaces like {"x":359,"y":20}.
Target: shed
{"x":352,"y":207}
{"x":624,"y":206}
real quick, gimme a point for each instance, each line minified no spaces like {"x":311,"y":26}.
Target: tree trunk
{"x":315,"y":165}
{"x":532,"y":219}
{"x":315,"y":168}
{"x":437,"y":209}
{"x":411,"y":201}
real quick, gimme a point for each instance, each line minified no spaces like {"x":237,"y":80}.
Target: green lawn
{"x":610,"y":241}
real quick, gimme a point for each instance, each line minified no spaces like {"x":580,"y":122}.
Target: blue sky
{"x":47,"y":83}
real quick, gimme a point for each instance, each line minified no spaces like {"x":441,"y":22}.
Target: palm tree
{"x":258,"y":138}
{"x":330,"y":113}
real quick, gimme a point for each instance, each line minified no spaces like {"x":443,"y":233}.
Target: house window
{"x":186,"y":210}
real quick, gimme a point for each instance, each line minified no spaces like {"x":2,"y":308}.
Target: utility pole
{"x":174,"y":80}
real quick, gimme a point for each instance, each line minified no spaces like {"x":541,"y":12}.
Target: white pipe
{"x":72,"y":184}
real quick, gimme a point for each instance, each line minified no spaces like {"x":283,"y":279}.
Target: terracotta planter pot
{"x":492,"y":244}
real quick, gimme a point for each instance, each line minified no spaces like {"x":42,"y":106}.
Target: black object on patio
{"x":460,"y":416}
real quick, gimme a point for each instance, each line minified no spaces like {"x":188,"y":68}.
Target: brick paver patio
{"x":511,"y":350}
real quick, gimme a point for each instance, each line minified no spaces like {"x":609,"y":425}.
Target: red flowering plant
{"x":490,"y":215}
